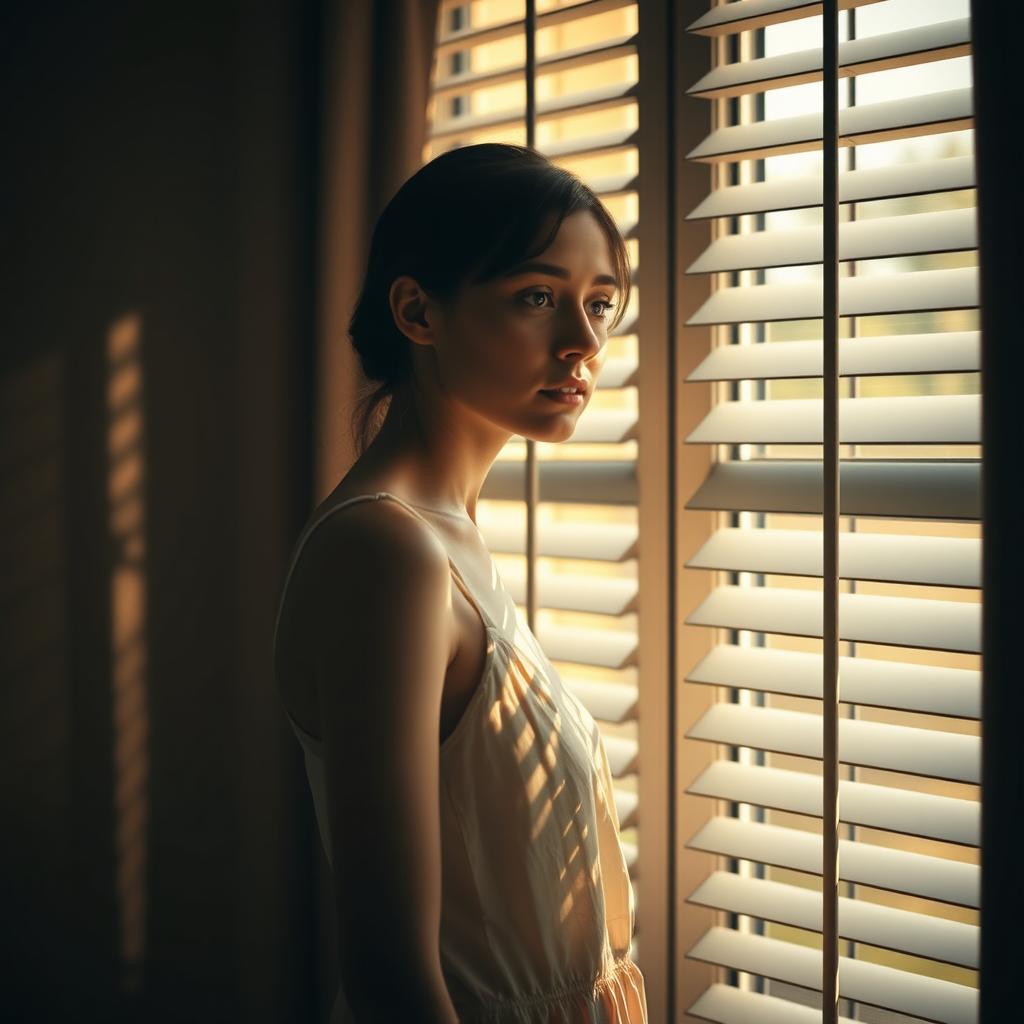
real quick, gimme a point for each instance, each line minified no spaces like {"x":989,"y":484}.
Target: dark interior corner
{"x":158,"y":216}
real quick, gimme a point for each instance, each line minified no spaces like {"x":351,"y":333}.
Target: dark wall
{"x":157,"y":335}
{"x":999,"y":112}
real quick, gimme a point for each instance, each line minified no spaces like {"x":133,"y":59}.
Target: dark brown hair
{"x":466,"y":217}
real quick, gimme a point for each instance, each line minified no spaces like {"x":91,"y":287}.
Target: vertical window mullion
{"x":830,"y":518}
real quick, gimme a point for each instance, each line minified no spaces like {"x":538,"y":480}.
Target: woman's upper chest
{"x":473,"y":566}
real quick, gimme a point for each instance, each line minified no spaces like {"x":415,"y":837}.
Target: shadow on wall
{"x":158,"y":856}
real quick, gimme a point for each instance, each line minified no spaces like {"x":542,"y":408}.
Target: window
{"x":670,"y":557}
{"x":561,"y":519}
{"x":909,"y":534}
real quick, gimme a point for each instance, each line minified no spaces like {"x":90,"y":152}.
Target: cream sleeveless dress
{"x":537,"y":907}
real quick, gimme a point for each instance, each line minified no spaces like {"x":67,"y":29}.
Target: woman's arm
{"x":381,"y":640}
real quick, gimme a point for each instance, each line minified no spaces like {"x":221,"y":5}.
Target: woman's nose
{"x":580,"y":335}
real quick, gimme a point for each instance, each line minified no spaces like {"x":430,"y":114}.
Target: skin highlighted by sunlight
{"x":479,"y":322}
{"x":556,"y":304}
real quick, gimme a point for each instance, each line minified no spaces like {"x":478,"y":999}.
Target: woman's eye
{"x":531,"y":295}
{"x":601,"y":311}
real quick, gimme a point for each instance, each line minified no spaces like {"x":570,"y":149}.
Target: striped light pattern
{"x":561,"y":520}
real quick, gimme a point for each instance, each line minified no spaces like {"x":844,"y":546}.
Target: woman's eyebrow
{"x":539,"y":267}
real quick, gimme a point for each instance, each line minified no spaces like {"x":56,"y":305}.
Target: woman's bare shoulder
{"x":363,"y":541}
{"x":366,"y":574}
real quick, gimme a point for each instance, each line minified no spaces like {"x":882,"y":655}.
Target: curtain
{"x":376,"y":61}
{"x":377,"y":64}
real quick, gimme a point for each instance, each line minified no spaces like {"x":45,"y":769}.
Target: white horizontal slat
{"x":899,"y":685}
{"x":899,"y":748}
{"x":949,"y":352}
{"x":863,"y":618}
{"x":891,"y":488}
{"x":892,"y":558}
{"x":561,"y":106}
{"x":601,"y":595}
{"x":615,"y":184}
{"x":605,"y":426}
{"x":924,"y":998}
{"x":586,"y":482}
{"x":472,"y":36}
{"x":626,"y":808}
{"x":606,"y":648}
{"x":591,"y":145}
{"x":470,"y":80}
{"x":872,"y":295}
{"x":871,"y":122}
{"x":622,"y":755}
{"x":590,"y":100}
{"x":939,"y":41}
{"x":603,"y":542}
{"x":563,"y":60}
{"x":880,"y":867}
{"x":917,"y":419}
{"x":914,"y":234}
{"x":618,"y":373}
{"x":945,"y":818}
{"x":903,"y":931}
{"x":723,"y":1004}
{"x":588,"y":55}
{"x":578,"y":11}
{"x":629,"y":324}
{"x":630,"y":229}
{"x":905,"y":179}
{"x":747,"y":14}
{"x":607,"y":702}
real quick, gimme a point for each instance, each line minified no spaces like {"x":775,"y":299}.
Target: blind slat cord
{"x":532,"y":469}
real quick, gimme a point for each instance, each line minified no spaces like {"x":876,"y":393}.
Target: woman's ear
{"x":409,"y":307}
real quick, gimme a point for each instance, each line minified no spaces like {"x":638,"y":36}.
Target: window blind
{"x":907,"y":415}
{"x":561,"y":520}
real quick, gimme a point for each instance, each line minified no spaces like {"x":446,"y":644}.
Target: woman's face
{"x":504,"y":341}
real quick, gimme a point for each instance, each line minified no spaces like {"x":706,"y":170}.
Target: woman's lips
{"x":565,"y":398}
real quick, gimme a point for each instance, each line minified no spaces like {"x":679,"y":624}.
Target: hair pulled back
{"x":466,"y":217}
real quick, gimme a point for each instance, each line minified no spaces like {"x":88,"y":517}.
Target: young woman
{"x":463,"y":793}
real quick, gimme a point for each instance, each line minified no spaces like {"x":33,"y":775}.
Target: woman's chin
{"x":554,"y":432}
{"x":557,"y":424}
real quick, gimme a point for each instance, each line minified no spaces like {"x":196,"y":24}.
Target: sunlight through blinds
{"x":909,"y":536}
{"x":581,"y":524}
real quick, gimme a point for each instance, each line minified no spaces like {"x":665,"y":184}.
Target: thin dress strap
{"x":459,"y":578}
{"x":463,"y":585}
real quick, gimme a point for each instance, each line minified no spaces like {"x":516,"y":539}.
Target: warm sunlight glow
{"x":125,"y":493}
